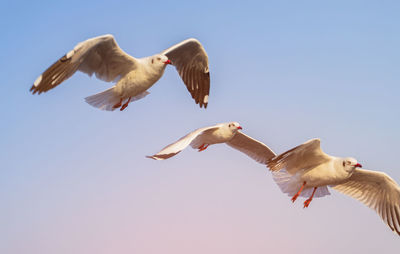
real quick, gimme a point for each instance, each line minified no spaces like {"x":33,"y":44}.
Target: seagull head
{"x":349,"y":164}
{"x":160,"y":61}
{"x":234,"y":126}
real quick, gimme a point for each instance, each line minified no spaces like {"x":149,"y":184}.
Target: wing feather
{"x":376,"y":190}
{"x":303,"y":156}
{"x":99,"y":55}
{"x":191,"y":61}
{"x":182,"y":143}
{"x":251,"y":147}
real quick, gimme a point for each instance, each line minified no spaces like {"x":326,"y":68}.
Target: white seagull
{"x":307,"y":171}
{"x":102,"y":56}
{"x":228,"y":133}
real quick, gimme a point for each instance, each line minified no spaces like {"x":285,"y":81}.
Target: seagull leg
{"x":298,"y":193}
{"x":126,"y":104}
{"x":203,"y":147}
{"x":118,"y":104}
{"x":308,"y":201}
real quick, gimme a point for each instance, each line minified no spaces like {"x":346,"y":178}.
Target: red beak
{"x":239,"y":128}
{"x":358,"y":165}
{"x":168,"y":62}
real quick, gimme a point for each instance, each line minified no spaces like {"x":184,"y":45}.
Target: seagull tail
{"x":104,"y":100}
{"x":290,"y":184}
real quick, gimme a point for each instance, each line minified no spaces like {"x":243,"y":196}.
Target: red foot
{"x":118,"y":104}
{"x":203,"y":147}
{"x":126,"y":104}
{"x":295,"y":197}
{"x":298,"y":193}
{"x":308,"y":201}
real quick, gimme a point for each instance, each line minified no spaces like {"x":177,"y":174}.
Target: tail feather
{"x":104,"y":100}
{"x":107,"y":99}
{"x":290,"y":184}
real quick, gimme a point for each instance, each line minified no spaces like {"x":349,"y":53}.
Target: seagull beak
{"x":239,"y":128}
{"x":168,"y":62}
{"x":358,"y":165}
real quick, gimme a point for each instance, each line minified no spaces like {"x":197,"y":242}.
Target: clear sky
{"x":74,"y":179}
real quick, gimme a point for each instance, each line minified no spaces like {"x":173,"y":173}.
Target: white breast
{"x":220,"y":135}
{"x":139,"y":80}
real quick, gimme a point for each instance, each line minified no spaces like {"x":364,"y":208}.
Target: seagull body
{"x":307,"y":171}
{"x":144,"y":76}
{"x":134,"y":76}
{"x":228,"y":133}
{"x":324,"y":174}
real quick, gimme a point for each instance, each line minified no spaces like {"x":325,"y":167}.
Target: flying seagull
{"x":307,"y":171}
{"x":228,"y":133}
{"x":133,"y":76}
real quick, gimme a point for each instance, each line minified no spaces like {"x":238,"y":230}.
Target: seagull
{"x":307,"y":171}
{"x":228,"y":133}
{"x":133,"y":76}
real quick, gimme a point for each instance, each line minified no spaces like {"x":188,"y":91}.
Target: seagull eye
{"x":229,"y":125}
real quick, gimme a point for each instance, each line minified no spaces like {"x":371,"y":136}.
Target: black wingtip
{"x":202,"y":105}
{"x":33,"y":89}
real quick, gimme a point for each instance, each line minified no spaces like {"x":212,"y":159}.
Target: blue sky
{"x":74,"y":179}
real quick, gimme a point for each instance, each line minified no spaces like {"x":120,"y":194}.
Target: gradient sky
{"x":74,"y":179}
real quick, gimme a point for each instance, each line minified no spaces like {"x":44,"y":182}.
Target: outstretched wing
{"x":191,"y":62}
{"x":378,"y":191}
{"x":100,"y":55}
{"x":181,"y":144}
{"x":251,"y":147}
{"x":304,"y":156}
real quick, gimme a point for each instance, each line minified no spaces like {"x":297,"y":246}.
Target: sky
{"x":74,"y":179}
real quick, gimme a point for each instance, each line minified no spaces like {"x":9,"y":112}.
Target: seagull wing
{"x":304,"y":156}
{"x":100,"y":55}
{"x":378,"y":191}
{"x":251,"y":147}
{"x":192,"y":139}
{"x":191,"y":62}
